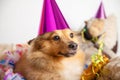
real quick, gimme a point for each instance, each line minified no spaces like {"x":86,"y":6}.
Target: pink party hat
{"x":52,"y":18}
{"x":101,"y":12}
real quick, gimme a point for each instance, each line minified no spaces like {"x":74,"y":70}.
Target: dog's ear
{"x":30,"y":41}
{"x":86,"y":22}
{"x":37,"y":43}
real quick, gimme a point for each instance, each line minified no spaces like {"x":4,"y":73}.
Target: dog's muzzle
{"x":69,"y":54}
{"x":72,"y":50}
{"x":72,"y":46}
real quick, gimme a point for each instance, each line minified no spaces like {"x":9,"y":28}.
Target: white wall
{"x":19,"y":19}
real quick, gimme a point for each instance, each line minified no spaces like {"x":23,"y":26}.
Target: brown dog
{"x":53,"y":56}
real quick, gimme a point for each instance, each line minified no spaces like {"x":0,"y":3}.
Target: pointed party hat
{"x":52,"y":18}
{"x":101,"y":12}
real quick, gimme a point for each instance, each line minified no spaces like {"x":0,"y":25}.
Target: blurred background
{"x":19,"y":19}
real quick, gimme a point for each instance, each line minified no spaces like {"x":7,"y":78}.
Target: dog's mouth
{"x":68,"y":54}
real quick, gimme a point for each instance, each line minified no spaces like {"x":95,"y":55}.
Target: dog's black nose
{"x":73,"y":46}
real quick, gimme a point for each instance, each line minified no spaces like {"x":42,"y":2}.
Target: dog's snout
{"x":73,"y":45}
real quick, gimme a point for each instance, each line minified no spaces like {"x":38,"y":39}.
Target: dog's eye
{"x":71,"y":35}
{"x":56,"y":38}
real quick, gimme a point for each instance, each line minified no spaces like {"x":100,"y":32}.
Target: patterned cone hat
{"x":52,"y":18}
{"x":101,"y":12}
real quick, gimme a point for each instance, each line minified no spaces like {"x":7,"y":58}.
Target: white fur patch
{"x":72,"y":70}
{"x":111,"y":32}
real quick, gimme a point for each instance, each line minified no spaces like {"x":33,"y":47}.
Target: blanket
{"x":9,"y":55}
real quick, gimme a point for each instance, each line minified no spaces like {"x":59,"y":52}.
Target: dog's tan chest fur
{"x":72,"y":69}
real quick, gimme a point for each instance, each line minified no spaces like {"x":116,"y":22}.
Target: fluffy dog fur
{"x":53,"y":56}
{"x":108,"y":26}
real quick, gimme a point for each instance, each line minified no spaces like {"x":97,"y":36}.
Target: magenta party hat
{"x":52,"y":18}
{"x":101,"y":12}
